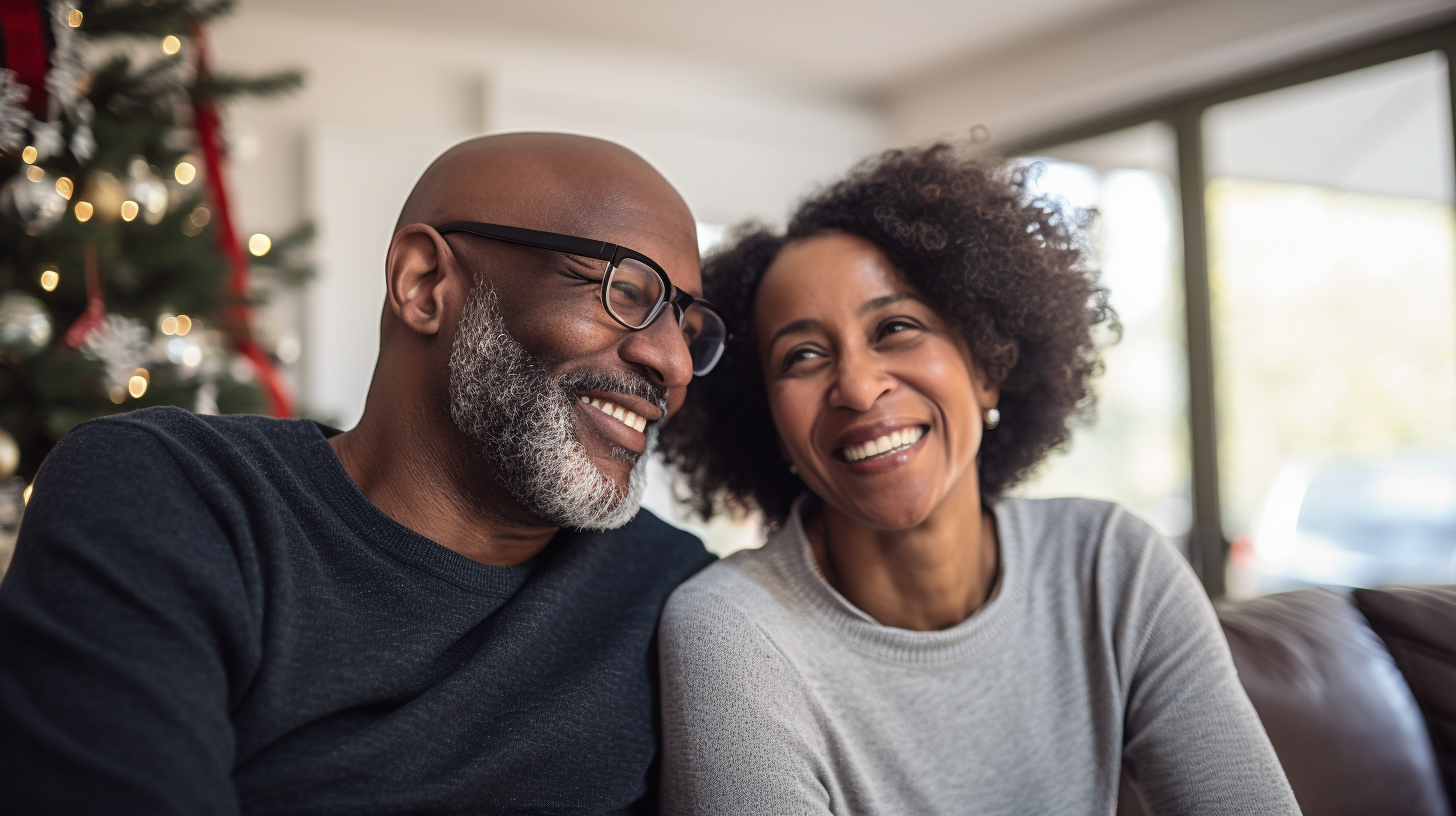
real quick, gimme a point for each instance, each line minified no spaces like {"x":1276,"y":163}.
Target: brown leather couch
{"x":1357,"y":692}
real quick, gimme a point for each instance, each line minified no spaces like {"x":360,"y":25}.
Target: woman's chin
{"x":885,"y":510}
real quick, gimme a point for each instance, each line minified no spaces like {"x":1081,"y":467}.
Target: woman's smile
{"x":880,"y":447}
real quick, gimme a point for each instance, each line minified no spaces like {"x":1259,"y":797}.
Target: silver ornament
{"x":122,"y":344}
{"x":48,"y":139}
{"x":148,"y":191}
{"x":14,"y":118}
{"x":35,"y":204}
{"x":25,"y":326}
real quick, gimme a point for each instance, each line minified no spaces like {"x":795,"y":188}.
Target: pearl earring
{"x":993,"y":418}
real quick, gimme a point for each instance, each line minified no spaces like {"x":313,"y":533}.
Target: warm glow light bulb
{"x":75,"y":18}
{"x":84,"y":211}
{"x":184,"y":325}
{"x":136,"y":386}
{"x":29,"y":155}
{"x":50,"y":277}
{"x":169,"y":325}
{"x":201,"y":216}
{"x":117,"y":394}
{"x":129,"y":210}
{"x":65,"y":187}
{"x":171,"y":45}
{"x":259,"y":244}
{"x":34,"y":173}
{"x":26,"y":494}
{"x":185,"y":172}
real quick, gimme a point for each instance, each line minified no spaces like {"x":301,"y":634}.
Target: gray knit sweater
{"x":1097,"y":649}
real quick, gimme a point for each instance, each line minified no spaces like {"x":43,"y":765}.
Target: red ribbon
{"x":95,"y":303}
{"x":25,"y":49}
{"x":209,"y":135}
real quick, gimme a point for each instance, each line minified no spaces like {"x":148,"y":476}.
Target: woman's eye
{"x":896,"y":327}
{"x":800,"y":355}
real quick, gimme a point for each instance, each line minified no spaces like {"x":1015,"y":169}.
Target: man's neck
{"x":441,"y":488}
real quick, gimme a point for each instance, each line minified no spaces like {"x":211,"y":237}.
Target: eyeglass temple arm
{"x":555,"y":242}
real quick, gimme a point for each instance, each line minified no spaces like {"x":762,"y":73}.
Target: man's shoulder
{"x":663,"y":545}
{"x":166,"y":434}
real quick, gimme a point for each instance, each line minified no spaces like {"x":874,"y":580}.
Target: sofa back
{"x":1362,"y":713}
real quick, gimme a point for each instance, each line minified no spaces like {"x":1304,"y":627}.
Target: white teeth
{"x":617,"y":412}
{"x":892,"y":442}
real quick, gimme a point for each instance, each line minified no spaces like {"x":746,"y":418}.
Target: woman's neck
{"x":929,"y":577}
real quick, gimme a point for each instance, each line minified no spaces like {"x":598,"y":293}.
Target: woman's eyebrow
{"x":797,"y":326}
{"x":886,"y":300}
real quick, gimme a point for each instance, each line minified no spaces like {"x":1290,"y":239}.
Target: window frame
{"x":1207,"y":544}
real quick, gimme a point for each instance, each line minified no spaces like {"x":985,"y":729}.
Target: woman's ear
{"x":420,"y":278}
{"x":988,"y":393}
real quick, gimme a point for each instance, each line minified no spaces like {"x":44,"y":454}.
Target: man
{"x":449,"y":608}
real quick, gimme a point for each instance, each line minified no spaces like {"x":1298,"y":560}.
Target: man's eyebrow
{"x":886,"y":300}
{"x":797,"y":326}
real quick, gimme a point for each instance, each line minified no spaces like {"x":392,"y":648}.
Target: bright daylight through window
{"x":1136,"y":453}
{"x":1334,"y":318}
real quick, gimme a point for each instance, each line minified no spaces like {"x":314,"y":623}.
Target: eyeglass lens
{"x":634,"y":291}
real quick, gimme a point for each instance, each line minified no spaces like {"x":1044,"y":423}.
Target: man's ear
{"x":421,"y":278}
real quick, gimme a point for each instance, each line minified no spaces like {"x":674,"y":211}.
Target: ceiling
{"x":849,"y":46}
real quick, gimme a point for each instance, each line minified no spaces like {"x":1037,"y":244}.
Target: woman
{"x":910,"y":640}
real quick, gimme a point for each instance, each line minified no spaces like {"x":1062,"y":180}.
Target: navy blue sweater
{"x":205,"y":616}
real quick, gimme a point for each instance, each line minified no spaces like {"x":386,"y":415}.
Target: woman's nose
{"x":859,"y":382}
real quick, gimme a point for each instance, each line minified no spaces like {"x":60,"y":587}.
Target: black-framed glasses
{"x":635,"y":289}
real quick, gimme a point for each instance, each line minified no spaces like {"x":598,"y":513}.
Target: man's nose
{"x":662,"y":350}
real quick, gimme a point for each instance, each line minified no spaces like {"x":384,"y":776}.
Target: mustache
{"x":595,"y":379}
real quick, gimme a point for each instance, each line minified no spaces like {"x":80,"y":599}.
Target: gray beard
{"x":524,"y":421}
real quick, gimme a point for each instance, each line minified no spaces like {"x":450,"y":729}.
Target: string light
{"x":259,"y":244}
{"x":65,"y":187}
{"x":29,"y":155}
{"x":184,"y":325}
{"x":34,"y":173}
{"x":26,"y":495}
{"x":75,"y":18}
{"x":84,"y":211}
{"x":50,"y":277}
{"x":185,"y":172}
{"x":171,"y":45}
{"x":137,"y":385}
{"x":169,"y":325}
{"x":129,"y":210}
{"x":117,"y":394}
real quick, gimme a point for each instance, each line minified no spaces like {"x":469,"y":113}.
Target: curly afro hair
{"x":1008,"y":269}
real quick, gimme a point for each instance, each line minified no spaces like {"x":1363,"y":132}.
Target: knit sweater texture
{"x":1097,"y":650}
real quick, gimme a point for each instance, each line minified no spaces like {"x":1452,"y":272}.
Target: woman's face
{"x":875,"y":397}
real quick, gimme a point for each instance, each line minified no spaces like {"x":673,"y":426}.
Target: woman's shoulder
{"x":1095,"y":540}
{"x":748,"y":585}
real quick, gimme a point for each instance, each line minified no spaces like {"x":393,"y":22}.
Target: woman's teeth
{"x":893,"y":442}
{"x":616,"y":412}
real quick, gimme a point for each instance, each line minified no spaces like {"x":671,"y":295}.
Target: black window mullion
{"x":1205,"y":538}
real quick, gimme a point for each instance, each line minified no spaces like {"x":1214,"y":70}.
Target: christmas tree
{"x":123,"y":282}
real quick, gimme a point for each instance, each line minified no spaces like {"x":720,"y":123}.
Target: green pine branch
{"x":140,"y":18}
{"x":223,"y":87}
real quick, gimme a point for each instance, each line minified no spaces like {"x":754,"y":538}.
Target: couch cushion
{"x":1346,"y":728}
{"x":1418,"y":625}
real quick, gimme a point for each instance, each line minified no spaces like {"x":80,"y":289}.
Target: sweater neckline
{"x":388,"y":535}
{"x":790,"y":548}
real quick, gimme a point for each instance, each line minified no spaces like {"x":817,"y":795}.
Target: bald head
{"x":557,"y":182}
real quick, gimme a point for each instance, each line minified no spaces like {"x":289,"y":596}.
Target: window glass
{"x":1136,"y":452}
{"x":1331,"y":275}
